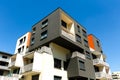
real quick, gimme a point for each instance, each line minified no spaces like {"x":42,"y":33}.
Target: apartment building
{"x":57,"y":49}
{"x":116,"y":75}
{"x":16,"y":61}
{"x":102,"y":68}
{"x":4,"y":61}
{"x":4,"y":70}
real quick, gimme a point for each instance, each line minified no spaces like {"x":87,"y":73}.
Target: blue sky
{"x":99,"y":17}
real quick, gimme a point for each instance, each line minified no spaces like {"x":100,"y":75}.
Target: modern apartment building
{"x":4,"y":61}
{"x":102,"y":68}
{"x":16,"y":61}
{"x":116,"y":75}
{"x":57,"y":49}
{"x":4,"y":70}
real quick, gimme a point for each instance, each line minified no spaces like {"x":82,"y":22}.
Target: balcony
{"x":68,"y":34}
{"x":11,"y":64}
{"x":3,"y":59}
{"x":96,"y":53}
{"x":78,"y":54}
{"x":8,"y":78}
{"x":29,"y":68}
{"x":4,"y":67}
{"x":99,"y":62}
{"x":100,"y":75}
{"x":109,"y":76}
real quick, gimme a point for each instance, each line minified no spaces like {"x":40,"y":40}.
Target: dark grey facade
{"x":60,"y":28}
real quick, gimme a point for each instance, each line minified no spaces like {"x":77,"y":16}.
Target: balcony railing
{"x":100,"y":75}
{"x":8,"y":78}
{"x":99,"y":62}
{"x":68,"y":34}
{"x":3,"y":59}
{"x":4,"y":67}
{"x":78,"y":54}
{"x":26,"y":68}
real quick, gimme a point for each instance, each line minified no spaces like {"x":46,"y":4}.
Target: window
{"x":32,"y":41}
{"x":21,"y":41}
{"x":33,"y":30}
{"x":88,"y":55}
{"x":57,"y":63}
{"x":78,"y":28}
{"x":4,"y":63}
{"x":57,"y":78}
{"x":22,"y":48}
{"x":35,"y":77}
{"x":84,"y":33}
{"x":24,"y":39}
{"x":4,"y":57}
{"x":65,"y":65}
{"x":82,"y":65}
{"x":19,"y":50}
{"x":78,"y":38}
{"x":16,"y":71}
{"x":44,"y":35}
{"x":64,"y":24}
{"x":98,"y":44}
{"x":45,"y":23}
{"x":86,"y":43}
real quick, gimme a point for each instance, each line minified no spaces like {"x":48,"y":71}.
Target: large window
{"x":57,"y":63}
{"x":86,"y":43}
{"x":21,"y":41}
{"x":78,"y":38}
{"x":33,"y":30}
{"x":84,"y":33}
{"x":78,"y":28}
{"x":98,"y":44}
{"x":65,"y":65}
{"x":82,"y":65}
{"x":45,"y":23}
{"x":19,"y":50}
{"x":35,"y":77}
{"x":64,"y":24}
{"x":88,"y":55}
{"x":57,"y":78}
{"x":4,"y":57}
{"x":44,"y":35}
{"x":32,"y":41}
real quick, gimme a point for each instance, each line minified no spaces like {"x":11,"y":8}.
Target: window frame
{"x":82,"y":65}
{"x":44,"y":35}
{"x":57,"y":63}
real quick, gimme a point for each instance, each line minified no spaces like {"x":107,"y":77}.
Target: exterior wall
{"x":53,"y":30}
{"x":92,"y":40}
{"x":60,"y":53}
{"x":25,"y":42}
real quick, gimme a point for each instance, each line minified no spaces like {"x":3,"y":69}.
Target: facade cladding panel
{"x":61,"y":29}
